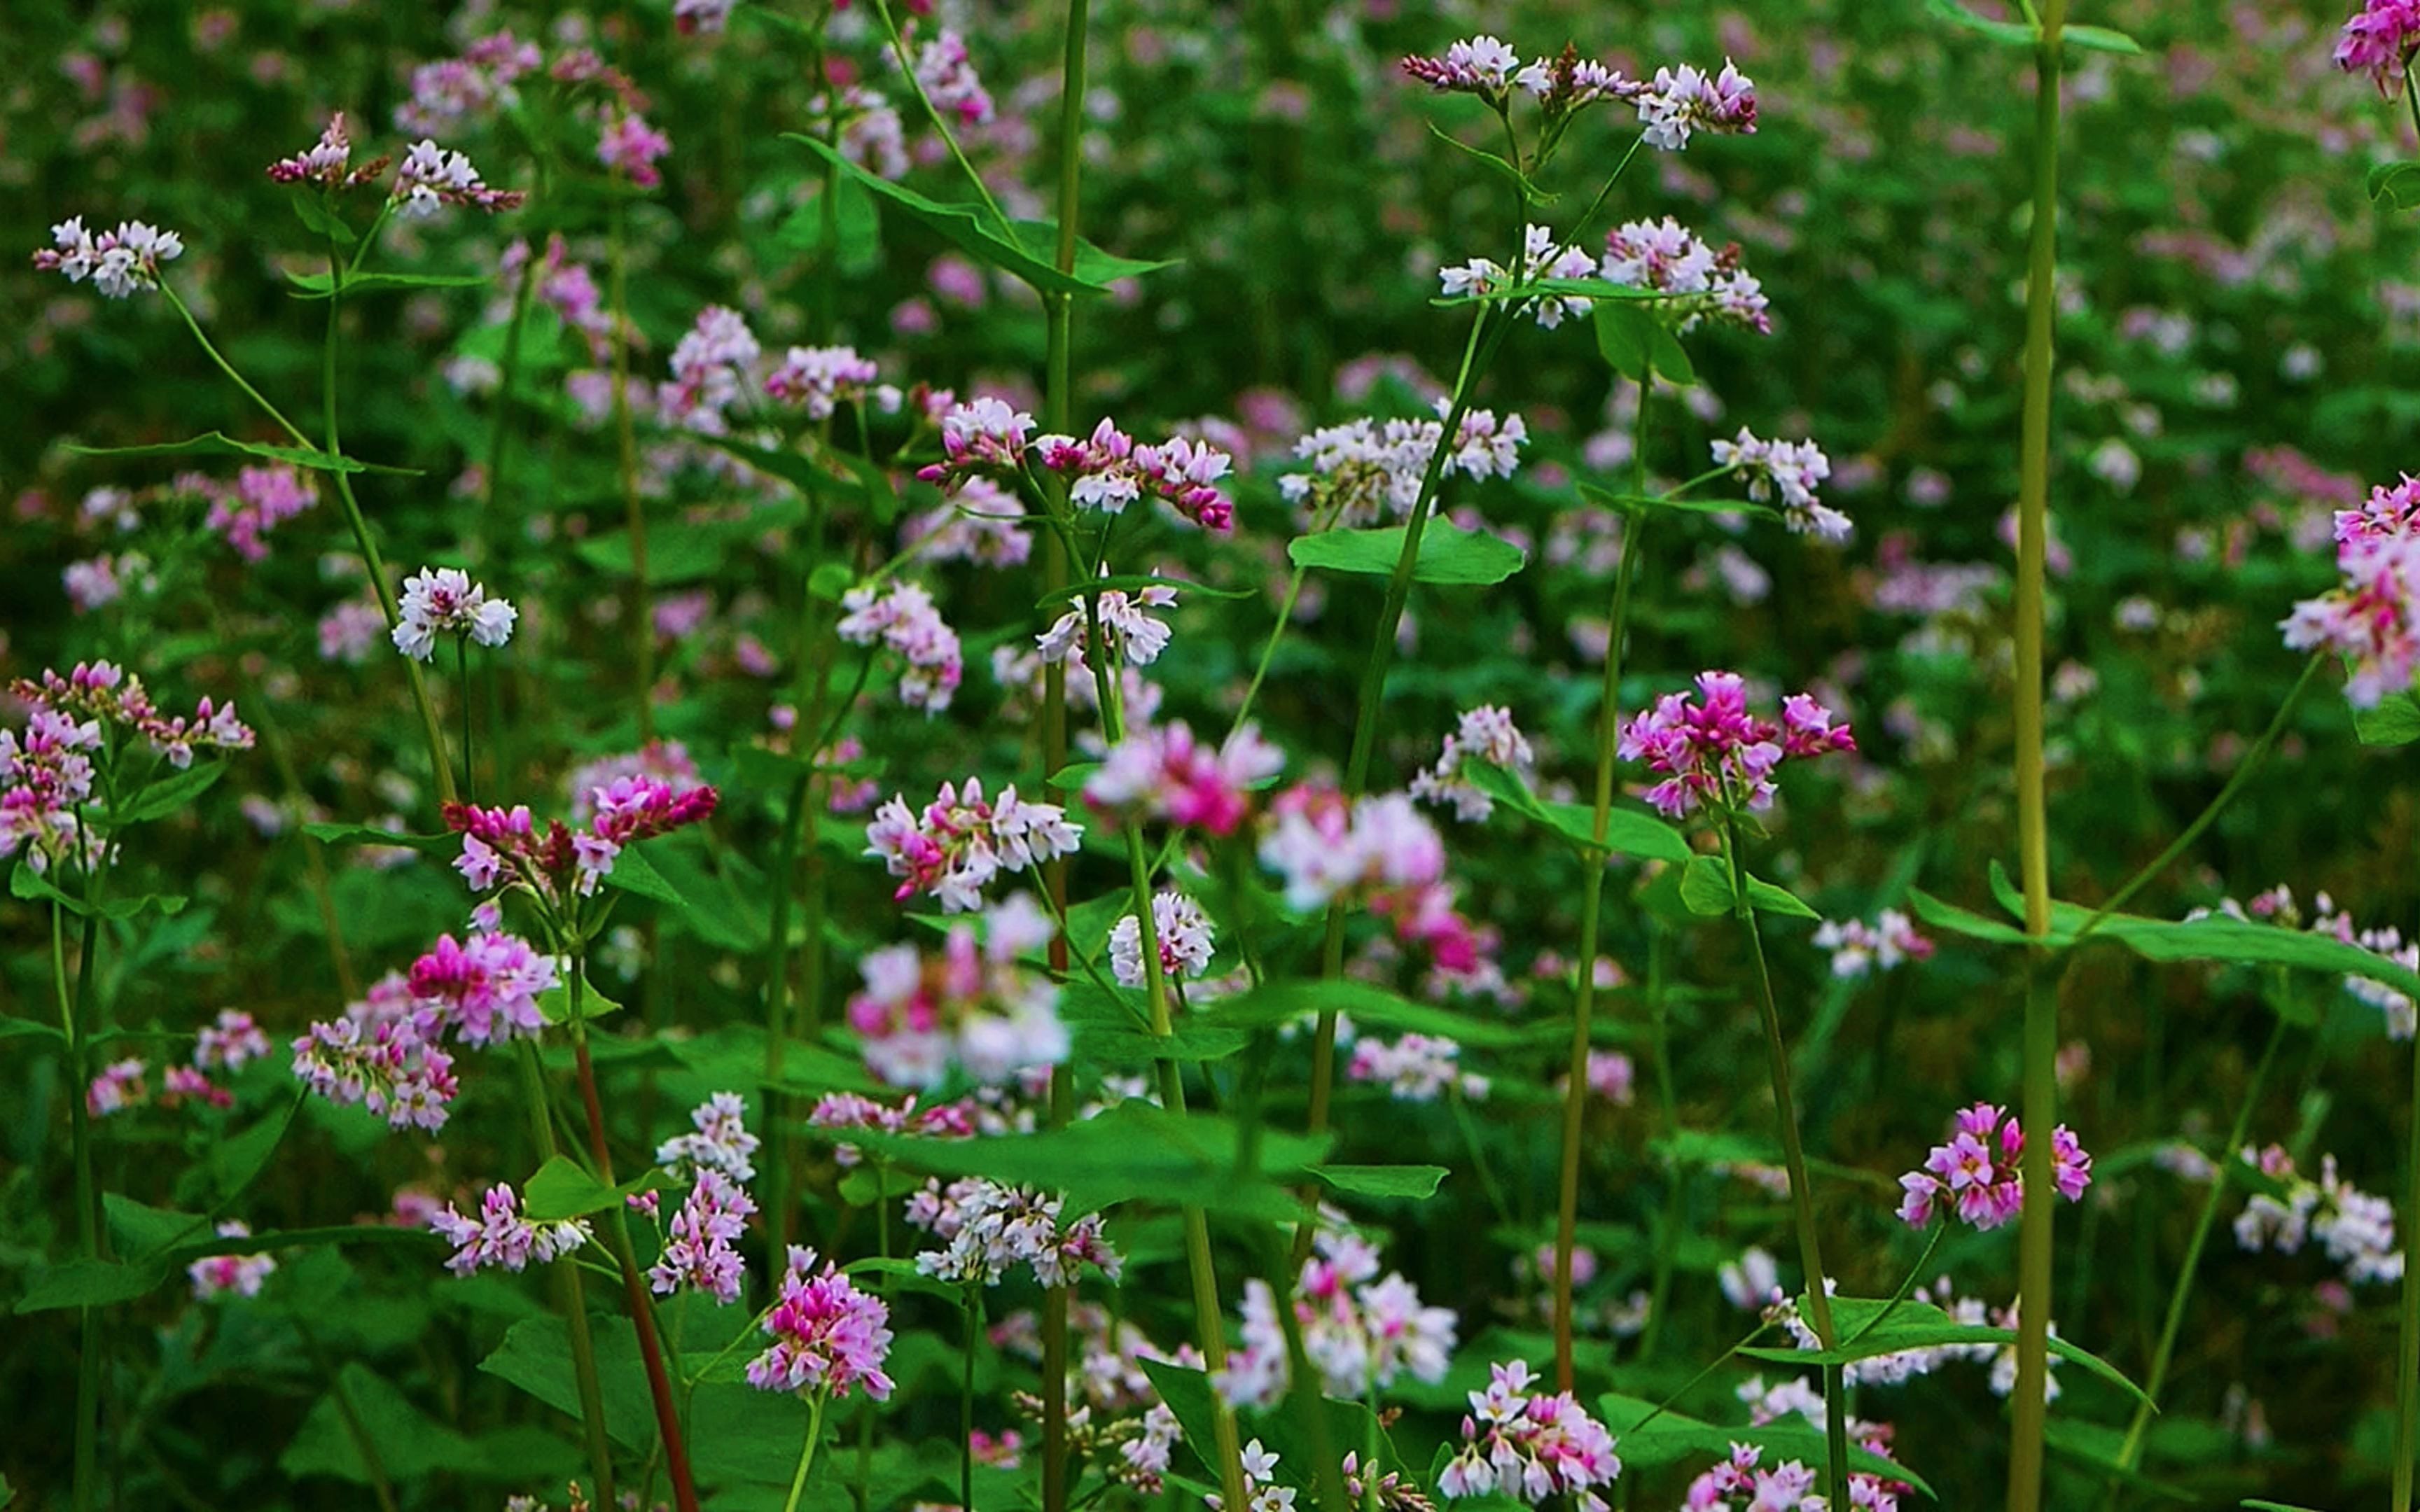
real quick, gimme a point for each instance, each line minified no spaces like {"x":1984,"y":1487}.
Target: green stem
{"x":574,"y":1295}
{"x":1802,"y":1194}
{"x":462,"y":694}
{"x":2040,"y":1097}
{"x":941,"y":126}
{"x":2406,"y":1352}
{"x":971,"y":1305}
{"x":1676,"y":1189}
{"x":87,"y":1420}
{"x":642,"y":630}
{"x":2208,"y":1219}
{"x":807,"y":1454}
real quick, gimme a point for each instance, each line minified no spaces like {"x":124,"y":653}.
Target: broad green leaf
{"x":1370,"y":1007}
{"x":1627,"y":831}
{"x":345,"y":834}
{"x":2395,"y":185}
{"x":680,"y":555}
{"x":1448,"y":553}
{"x":1706,"y":888}
{"x":561,"y":1190}
{"x":92,"y":1284}
{"x":635,"y":874}
{"x":313,"y":213}
{"x":1031,"y":257}
{"x":554,"y":1004}
{"x":1107,"y":1032}
{"x":1670,"y":1438}
{"x":2008,"y":33}
{"x":214,"y":443}
{"x":1416,"y":1182}
{"x":810,"y":475}
{"x":409,"y":1442}
{"x":2099,"y":40}
{"x":2395,"y":722}
{"x":1636,"y":342}
{"x":33,"y":886}
{"x":31,"y":1028}
{"x":536,"y":1357}
{"x":1874,"y":1327}
{"x":170,"y":793}
{"x":317,"y":286}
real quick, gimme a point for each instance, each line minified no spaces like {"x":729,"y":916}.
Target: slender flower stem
{"x":2165,"y":1351}
{"x":941,"y":126}
{"x":2407,"y":1351}
{"x":1676,"y":1190}
{"x":1802,"y":1194}
{"x":971,"y":1305}
{"x":634,"y":1286}
{"x":573,"y":1291}
{"x":2040,"y":1098}
{"x":642,"y":630}
{"x":87,"y":1421}
{"x":807,"y":1454}
{"x":462,"y":694}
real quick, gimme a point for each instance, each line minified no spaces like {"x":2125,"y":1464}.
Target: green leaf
{"x":1448,"y":553}
{"x":345,"y":834}
{"x":2099,"y":39}
{"x":1132,"y":581}
{"x":214,"y":443}
{"x":811,"y":475}
{"x":1636,"y":343}
{"x":536,"y":1357}
{"x":31,"y":886}
{"x":1872,"y":1327}
{"x":409,"y":1443}
{"x":2395,"y":722}
{"x":1627,"y":831}
{"x":1370,"y":1007}
{"x":554,"y":1004}
{"x":317,"y":287}
{"x":310,"y":209}
{"x":1417,"y":1183}
{"x":561,"y":1190}
{"x":2008,"y":33}
{"x":1633,"y":502}
{"x":164,"y":797}
{"x":1706,"y":888}
{"x":92,"y":1284}
{"x":31,"y":1028}
{"x":1529,"y":187}
{"x":1030,"y":256}
{"x":1670,"y":1438}
{"x":635,"y":874}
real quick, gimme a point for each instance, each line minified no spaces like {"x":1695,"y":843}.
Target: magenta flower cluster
{"x":1712,"y":753}
{"x":1977,"y":1175}
{"x":962,"y":840}
{"x":829,"y":1338}
{"x":2372,"y":619}
{"x":504,"y":848}
{"x":1530,"y":1446}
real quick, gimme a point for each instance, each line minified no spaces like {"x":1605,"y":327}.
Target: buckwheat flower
{"x":1978,"y":1171}
{"x":697,"y":1251}
{"x":710,"y":365}
{"x":1133,"y":637}
{"x":1711,"y":751}
{"x":975,"y":1005}
{"x":216,"y":1276}
{"x":485,"y":990}
{"x":500,"y":1236}
{"x":380,"y":1054}
{"x":1681,"y":101}
{"x":1418,"y":1068}
{"x":1528,"y":1445}
{"x":180,"y":1084}
{"x":444,"y":601}
{"x":719,"y":1140}
{"x":1182,"y":930}
{"x":349,"y":630}
{"x":262,"y":498}
{"x":1752,"y":1281}
{"x":632,"y":148}
{"x":818,"y":380}
{"x":1366,"y":470}
{"x":903,"y":618}
{"x":1484,"y":733}
{"x":119,"y":1087}
{"x":700,"y":18}
{"x":1160,"y":772}
{"x":2379,"y":40}
{"x":1481,"y":66}
{"x":327,"y":162}
{"x":829,"y":1338}
{"x":960,"y":842}
{"x":2370,"y":618}
{"x":1325,"y":845}
{"x":948,"y":78}
{"x":119,"y":262}
{"x":982,"y":523}
{"x":851,"y":1110}
{"x":2356,"y":1228}
{"x":1706,"y":283}
{"x":1859,"y":949}
{"x":504,"y":848}
{"x":230,"y":1043}
{"x":1361,"y":1331}
{"x":986,"y":1229}
{"x":1110,"y":470}
{"x":1610,"y":1076}
{"x":1565,"y":82}
{"x":431,"y":177}
{"x":985,"y":437}
{"x":1789,"y":471}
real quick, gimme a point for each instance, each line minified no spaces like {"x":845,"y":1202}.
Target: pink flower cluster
{"x":1368,"y":470}
{"x":629,"y":146}
{"x":986,"y":1229}
{"x":380,"y":1055}
{"x":260,"y":500}
{"x":567,"y":288}
{"x":446,"y":92}
{"x":1739,"y":1484}
{"x":719,"y":1140}
{"x":698,"y":1250}
{"x":485,"y":991}
{"x":1134,"y":638}
{"x":903,"y":617}
{"x":1704,"y":283}
{"x":710,"y":365}
{"x":1110,"y":470}
{"x":948,"y":78}
{"x":852,"y":1110}
{"x":2379,"y":40}
{"x":327,"y":162}
{"x":444,"y":601}
{"x":1859,"y":948}
{"x":1182,"y":930}
{"x":955,"y":848}
{"x":119,"y":262}
{"x":1485,"y":733}
{"x":1162,"y":774}
{"x":1680,"y":102}
{"x":2371,"y":617}
{"x":431,"y":177}
{"x":500,"y":1235}
{"x":981,"y":523}
{"x":48,"y":771}
{"x":1789,"y":471}
{"x":975,"y":1005}
{"x":215,"y":1277}
{"x":1710,"y":753}
{"x":1484,"y":65}
{"x":1978,"y":1173}
{"x":982,"y":438}
{"x":829,"y":1338}
{"x":1530,"y":1446}
{"x":1359,"y":1331}
{"x":2356,"y":1227}
{"x":504,"y":848}
{"x":1540,"y":258}
{"x":819,"y":380}
{"x":1480,"y":64}
{"x":1418,"y":1068}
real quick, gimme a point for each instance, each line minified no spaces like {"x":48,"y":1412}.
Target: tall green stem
{"x":87,"y":1421}
{"x":807,"y":1454}
{"x":634,"y":509}
{"x":2406,"y":1352}
{"x":2040,"y":1098}
{"x":573,"y":1294}
{"x":1802,"y":1194}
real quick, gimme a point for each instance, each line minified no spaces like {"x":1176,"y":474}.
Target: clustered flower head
{"x":986,"y":1229}
{"x":1859,"y":948}
{"x":719,"y":1140}
{"x":383,"y":1055}
{"x":260,"y":500}
{"x":2379,"y":40}
{"x":500,"y":1235}
{"x":485,"y":990}
{"x":961,"y":841}
{"x":1528,"y":1445}
{"x":1368,"y":470}
{"x":973,"y":1005}
{"x":710,"y":365}
{"x":504,"y":848}
{"x":1480,"y":64}
{"x":984,"y":437}
{"x":1978,"y":1172}
{"x":1133,"y":637}
{"x":431,"y":177}
{"x":1418,"y":1068}
{"x":829,"y":1338}
{"x":981,"y":523}
{"x":1789,"y":471}
{"x":327,"y":162}
{"x":819,"y":380}
{"x":119,"y":262}
{"x":1680,"y":102}
{"x":2357,"y":1228}
{"x":444,"y":601}
{"x":948,"y":78}
{"x":1710,"y":753}
{"x":1324,"y":844}
{"x":1162,"y":774}
{"x":1540,"y":258}
{"x":854,"y":1110}
{"x":1110,"y":470}
{"x":1361,"y":1331}
{"x":903,"y":617}
{"x":72,"y":721}
{"x":1485,"y":733}
{"x":215,"y":1277}
{"x":1184,"y":935}
{"x":698,"y":1250}
{"x":2371,"y":617}
{"x":1706,"y":283}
